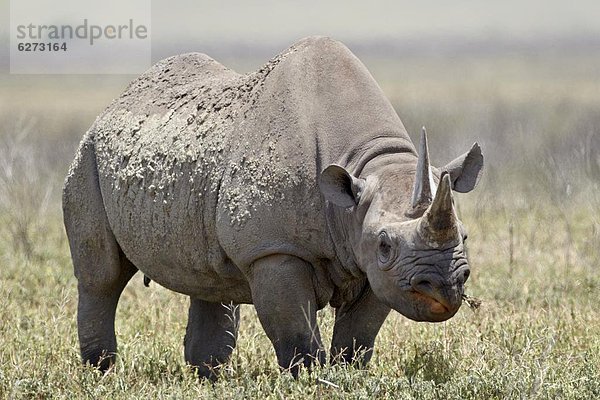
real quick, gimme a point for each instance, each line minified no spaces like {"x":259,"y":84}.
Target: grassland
{"x":534,"y":245}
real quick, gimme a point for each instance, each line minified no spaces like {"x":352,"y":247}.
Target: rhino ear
{"x":339,"y":187}
{"x":466,"y":170}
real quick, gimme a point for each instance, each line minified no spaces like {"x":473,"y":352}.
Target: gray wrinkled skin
{"x":271,"y":188}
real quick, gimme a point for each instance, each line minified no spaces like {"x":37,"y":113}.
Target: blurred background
{"x":521,"y":77}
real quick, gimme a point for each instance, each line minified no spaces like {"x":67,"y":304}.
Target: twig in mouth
{"x":473,"y":302}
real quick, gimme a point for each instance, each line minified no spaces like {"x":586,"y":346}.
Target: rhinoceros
{"x":289,"y":188}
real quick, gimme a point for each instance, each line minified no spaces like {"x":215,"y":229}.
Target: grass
{"x":537,"y":334}
{"x":534,"y":245}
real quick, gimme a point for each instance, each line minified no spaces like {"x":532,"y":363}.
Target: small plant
{"x":431,"y":364}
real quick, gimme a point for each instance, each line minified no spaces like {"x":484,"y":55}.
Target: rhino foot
{"x":210,"y":336}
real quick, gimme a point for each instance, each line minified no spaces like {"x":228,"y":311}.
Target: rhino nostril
{"x":422,"y":285}
{"x":466,"y":275}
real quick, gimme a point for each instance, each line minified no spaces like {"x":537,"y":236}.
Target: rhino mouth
{"x":434,"y":306}
{"x":436,"y":298}
{"x":433,"y":309}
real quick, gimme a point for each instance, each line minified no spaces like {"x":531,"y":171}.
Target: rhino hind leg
{"x":355,"y":329}
{"x":101,"y":268}
{"x":96,"y":319}
{"x":285,"y":301}
{"x":210,"y":336}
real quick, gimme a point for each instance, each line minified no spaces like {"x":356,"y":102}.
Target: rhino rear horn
{"x":439,"y":225}
{"x":421,"y":196}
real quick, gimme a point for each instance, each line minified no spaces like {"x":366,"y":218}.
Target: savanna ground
{"x":534,"y":245}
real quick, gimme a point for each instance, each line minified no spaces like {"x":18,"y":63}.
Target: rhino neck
{"x":367,"y":156}
{"x":384,"y":156}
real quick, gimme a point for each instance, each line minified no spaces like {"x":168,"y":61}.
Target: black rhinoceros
{"x":289,"y":188}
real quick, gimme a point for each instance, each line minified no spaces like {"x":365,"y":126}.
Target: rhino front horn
{"x":421,"y":196}
{"x":438,"y":226}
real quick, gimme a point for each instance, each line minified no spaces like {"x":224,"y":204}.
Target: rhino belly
{"x":168,"y":233}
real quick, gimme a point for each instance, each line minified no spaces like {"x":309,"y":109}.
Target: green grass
{"x":536,"y":335}
{"x":534,"y":247}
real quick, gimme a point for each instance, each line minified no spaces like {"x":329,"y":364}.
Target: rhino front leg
{"x":210,"y":336}
{"x":355,"y":329}
{"x":285,"y":301}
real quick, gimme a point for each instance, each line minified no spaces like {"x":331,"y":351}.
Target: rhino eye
{"x":384,"y":253}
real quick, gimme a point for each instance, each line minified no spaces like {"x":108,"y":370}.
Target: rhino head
{"x":400,"y":225}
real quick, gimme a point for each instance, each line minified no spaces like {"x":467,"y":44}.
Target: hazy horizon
{"x":245,"y":29}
